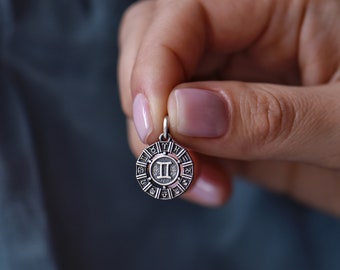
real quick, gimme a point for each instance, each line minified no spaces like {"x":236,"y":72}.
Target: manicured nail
{"x":198,"y":113}
{"x":141,"y":117}
{"x":207,"y":193}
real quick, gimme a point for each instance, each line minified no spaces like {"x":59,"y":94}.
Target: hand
{"x":252,"y":87}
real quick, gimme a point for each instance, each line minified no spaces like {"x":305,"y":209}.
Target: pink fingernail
{"x":207,"y":193}
{"x":142,"y":117}
{"x":199,"y":113}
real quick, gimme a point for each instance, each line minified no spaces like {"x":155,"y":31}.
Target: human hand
{"x":252,"y":87}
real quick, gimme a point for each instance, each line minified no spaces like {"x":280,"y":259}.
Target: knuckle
{"x":136,"y":10}
{"x":269,"y":119}
{"x":133,"y":16}
{"x":124,"y":23}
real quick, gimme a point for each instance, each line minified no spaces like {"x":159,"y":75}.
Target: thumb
{"x":252,"y":121}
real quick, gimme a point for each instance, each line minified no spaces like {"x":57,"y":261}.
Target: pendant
{"x":164,"y":170}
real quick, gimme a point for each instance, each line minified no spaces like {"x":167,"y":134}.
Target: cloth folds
{"x":68,"y":197}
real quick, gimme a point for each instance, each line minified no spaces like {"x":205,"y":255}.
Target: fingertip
{"x":212,"y":187}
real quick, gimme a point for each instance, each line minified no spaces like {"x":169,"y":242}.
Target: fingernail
{"x":141,"y":117}
{"x":198,"y":113}
{"x":207,"y":193}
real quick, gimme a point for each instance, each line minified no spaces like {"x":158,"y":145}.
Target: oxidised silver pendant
{"x":165,"y":169}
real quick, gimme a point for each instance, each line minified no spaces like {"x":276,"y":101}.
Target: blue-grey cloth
{"x":68,"y":197}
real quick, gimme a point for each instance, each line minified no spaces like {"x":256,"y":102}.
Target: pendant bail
{"x":166,"y":127}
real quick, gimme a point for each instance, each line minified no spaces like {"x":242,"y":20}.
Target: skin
{"x":276,"y":67}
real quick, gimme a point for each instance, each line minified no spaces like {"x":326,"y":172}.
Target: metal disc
{"x":164,"y":170}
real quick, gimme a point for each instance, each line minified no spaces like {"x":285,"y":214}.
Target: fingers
{"x":170,"y":44}
{"x":311,"y":185}
{"x":212,"y":184}
{"x":167,"y":56}
{"x":165,"y":43}
{"x":248,"y":121}
{"x":133,"y":27}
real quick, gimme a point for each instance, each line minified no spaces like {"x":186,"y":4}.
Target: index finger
{"x":175,"y":42}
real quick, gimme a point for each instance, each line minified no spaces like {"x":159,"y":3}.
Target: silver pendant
{"x":164,"y":170}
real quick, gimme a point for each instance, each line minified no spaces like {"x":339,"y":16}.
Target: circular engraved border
{"x":176,"y":152}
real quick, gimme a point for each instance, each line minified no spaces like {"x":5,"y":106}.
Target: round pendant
{"x":165,"y":169}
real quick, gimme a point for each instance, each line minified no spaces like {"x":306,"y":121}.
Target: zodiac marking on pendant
{"x":164,"y":170}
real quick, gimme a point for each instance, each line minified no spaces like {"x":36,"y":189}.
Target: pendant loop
{"x":166,"y":127}
{"x":165,"y":136}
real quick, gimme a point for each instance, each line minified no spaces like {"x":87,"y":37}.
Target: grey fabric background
{"x":68,"y":197}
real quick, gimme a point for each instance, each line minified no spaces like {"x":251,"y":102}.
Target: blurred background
{"x":68,"y":195}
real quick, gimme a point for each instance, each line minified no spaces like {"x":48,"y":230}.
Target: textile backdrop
{"x":68,"y":197}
